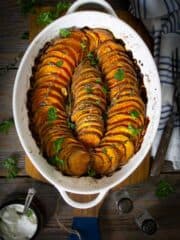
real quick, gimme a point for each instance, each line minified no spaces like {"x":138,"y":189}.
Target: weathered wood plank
{"x":113,"y":225}
{"x":165,"y":211}
{"x":9,"y":144}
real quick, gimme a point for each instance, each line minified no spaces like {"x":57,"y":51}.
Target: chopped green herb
{"x":10,"y":164}
{"x":59,"y":63}
{"x":6,"y":125}
{"x":98,"y":80}
{"x":104,"y":150}
{"x":52,"y":114}
{"x":89,"y":89}
{"x":98,"y":102}
{"x":83,"y":45}
{"x":64,"y":33}
{"x":119,"y":74}
{"x":105,"y":89}
{"x":134,"y":131}
{"x":25,"y":35}
{"x":47,"y":17}
{"x":29,"y":212}
{"x":91,"y":172}
{"x":61,"y":7}
{"x":164,"y":189}
{"x":58,"y":144}
{"x":93,"y":60}
{"x":134,"y":114}
{"x":56,"y":161}
{"x":71,"y":125}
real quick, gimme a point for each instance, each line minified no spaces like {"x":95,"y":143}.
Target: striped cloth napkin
{"x":162,"y":19}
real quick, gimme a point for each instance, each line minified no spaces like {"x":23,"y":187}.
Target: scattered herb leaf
{"x":134,"y":131}
{"x":25,"y":35}
{"x":59,"y":63}
{"x":83,"y":45}
{"x":6,"y":125}
{"x":29,"y":212}
{"x":47,"y":17}
{"x":64,"y":33}
{"x":58,"y":144}
{"x":104,"y":150}
{"x":98,"y":80}
{"x":164,"y":189}
{"x":52,"y":114}
{"x":134,"y":114}
{"x":105,"y":89}
{"x":98,"y":102}
{"x":61,"y":7}
{"x":119,"y":74}
{"x":93,"y":60}
{"x":71,"y":125}
{"x":56,"y":161}
{"x":89,"y":89}
{"x":91,"y":172}
{"x":10,"y":164}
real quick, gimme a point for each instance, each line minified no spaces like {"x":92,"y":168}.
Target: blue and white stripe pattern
{"x":162,"y":19}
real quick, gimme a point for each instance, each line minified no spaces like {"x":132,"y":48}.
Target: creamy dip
{"x":14,"y":226}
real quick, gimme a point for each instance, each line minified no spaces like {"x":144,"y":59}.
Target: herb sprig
{"x":91,"y":172}
{"x":119,"y":74}
{"x":6,"y":125}
{"x":56,"y":161}
{"x":164,"y":189}
{"x":64,"y":32}
{"x":59,"y":63}
{"x":48,"y":17}
{"x":58,"y":144}
{"x":10,"y":164}
{"x":89,"y":89}
{"x":134,"y":114}
{"x":70,"y":124}
{"x":92,"y":58}
{"x":134,"y":131}
{"x":52,"y":114}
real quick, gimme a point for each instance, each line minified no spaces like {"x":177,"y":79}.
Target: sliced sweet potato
{"x":108,"y":46}
{"x":90,"y":139}
{"x":101,"y":167}
{"x":103,"y":34}
{"x":78,"y":162}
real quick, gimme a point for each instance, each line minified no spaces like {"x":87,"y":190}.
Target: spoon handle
{"x":29,"y":197}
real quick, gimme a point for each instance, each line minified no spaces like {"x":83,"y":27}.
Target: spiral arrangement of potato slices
{"x":85,"y":107}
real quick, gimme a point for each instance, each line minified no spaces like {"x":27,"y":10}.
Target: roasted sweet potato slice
{"x":59,"y":62}
{"x":89,"y":138}
{"x":103,"y":34}
{"x":112,"y":154}
{"x":108,"y":46}
{"x":50,"y":69}
{"x":101,"y":167}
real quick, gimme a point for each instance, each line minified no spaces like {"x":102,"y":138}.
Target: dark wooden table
{"x":113,"y":226}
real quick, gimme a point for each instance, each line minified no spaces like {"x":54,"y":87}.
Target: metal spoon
{"x":29,"y":197}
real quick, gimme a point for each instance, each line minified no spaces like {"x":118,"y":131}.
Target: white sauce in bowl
{"x":14,"y":226}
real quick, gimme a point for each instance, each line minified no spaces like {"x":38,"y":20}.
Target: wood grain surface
{"x":113,"y":225}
